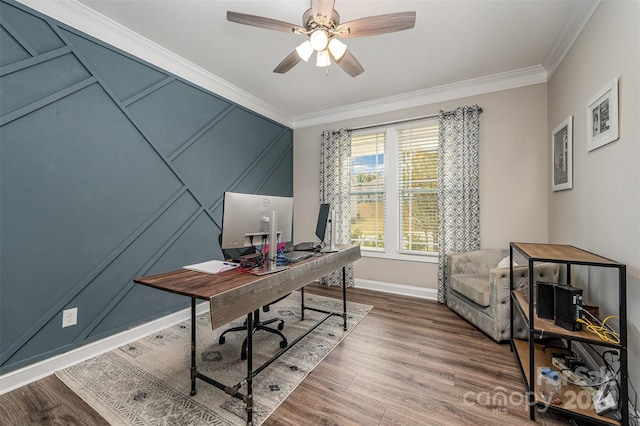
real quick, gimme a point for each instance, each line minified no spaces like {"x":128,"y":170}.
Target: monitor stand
{"x":268,"y":270}
{"x":271,"y":265}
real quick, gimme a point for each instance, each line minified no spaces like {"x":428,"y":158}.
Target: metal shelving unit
{"x":529,"y":354}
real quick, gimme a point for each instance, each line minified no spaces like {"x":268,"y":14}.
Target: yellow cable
{"x":602,"y":331}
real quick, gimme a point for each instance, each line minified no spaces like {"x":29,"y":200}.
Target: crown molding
{"x":85,"y":19}
{"x":477,"y":86}
{"x":569,"y":35}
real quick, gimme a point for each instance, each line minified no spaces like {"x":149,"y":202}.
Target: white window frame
{"x":392,"y":205}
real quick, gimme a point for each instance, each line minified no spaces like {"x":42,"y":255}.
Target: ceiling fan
{"x":321,"y":24}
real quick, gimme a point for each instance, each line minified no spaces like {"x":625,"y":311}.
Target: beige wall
{"x":602,"y":211}
{"x":513,"y":177}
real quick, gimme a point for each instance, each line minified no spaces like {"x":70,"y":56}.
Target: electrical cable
{"x":634,"y":404}
{"x":600,"y":329}
{"x":594,"y":385}
{"x":607,"y":364}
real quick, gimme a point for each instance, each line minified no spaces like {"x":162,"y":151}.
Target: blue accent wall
{"x":110,"y":169}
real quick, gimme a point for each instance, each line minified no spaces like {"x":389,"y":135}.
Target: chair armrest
{"x":475,"y":262}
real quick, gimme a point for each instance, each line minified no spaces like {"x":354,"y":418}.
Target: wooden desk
{"x":233,"y":295}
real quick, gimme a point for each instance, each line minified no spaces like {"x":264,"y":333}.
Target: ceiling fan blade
{"x":380,"y":24}
{"x":262,"y":22}
{"x":349,"y":64}
{"x":322,"y":10}
{"x":288,"y":63}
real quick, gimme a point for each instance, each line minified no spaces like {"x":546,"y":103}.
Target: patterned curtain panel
{"x":458,"y":187}
{"x":335,"y":159}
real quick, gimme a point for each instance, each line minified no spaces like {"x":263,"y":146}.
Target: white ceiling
{"x":453,"y":41}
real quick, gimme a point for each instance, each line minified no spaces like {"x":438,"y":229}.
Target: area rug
{"x":147,"y":382}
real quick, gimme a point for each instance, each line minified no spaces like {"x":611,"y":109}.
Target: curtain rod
{"x":408,"y":120}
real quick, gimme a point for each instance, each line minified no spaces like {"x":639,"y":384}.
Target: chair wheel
{"x":221,"y":340}
{"x":281,"y":326}
{"x":283,"y":344}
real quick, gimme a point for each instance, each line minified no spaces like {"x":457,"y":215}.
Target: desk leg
{"x":249,"y":397}
{"x":344,"y":296}
{"x":194,"y":371}
{"x":302,"y":303}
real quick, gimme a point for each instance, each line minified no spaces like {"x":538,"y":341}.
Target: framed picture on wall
{"x":562,"y":156}
{"x":602,"y":116}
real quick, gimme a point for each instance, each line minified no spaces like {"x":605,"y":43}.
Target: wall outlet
{"x":69,"y":317}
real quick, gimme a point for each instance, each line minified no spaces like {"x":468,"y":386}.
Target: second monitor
{"x":321,"y":230}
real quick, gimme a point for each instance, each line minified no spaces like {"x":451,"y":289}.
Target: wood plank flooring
{"x":409,"y":362}
{"x":46,"y":402}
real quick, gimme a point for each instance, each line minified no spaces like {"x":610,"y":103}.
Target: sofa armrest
{"x":475,"y":262}
{"x":499,"y":280}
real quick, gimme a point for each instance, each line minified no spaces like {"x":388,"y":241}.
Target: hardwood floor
{"x":409,"y":362}
{"x":46,"y":402}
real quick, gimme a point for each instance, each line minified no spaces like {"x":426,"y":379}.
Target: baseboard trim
{"x":399,"y":289}
{"x":29,"y":374}
{"x":47,"y":367}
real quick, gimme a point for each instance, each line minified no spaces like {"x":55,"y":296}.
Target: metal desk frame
{"x":259,"y":290}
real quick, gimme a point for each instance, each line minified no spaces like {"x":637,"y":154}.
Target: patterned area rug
{"x":147,"y":381}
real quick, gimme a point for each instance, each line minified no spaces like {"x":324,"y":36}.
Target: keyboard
{"x":307,"y":246}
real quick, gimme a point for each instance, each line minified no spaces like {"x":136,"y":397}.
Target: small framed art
{"x":602,"y":116}
{"x":562,"y":156}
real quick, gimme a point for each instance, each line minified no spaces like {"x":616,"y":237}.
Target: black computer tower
{"x":545,"y":299}
{"x":568,"y":300}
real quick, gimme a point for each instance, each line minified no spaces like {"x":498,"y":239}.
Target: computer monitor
{"x":323,"y":218}
{"x":245,"y":219}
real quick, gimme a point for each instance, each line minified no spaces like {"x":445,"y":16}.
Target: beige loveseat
{"x":479,"y":291}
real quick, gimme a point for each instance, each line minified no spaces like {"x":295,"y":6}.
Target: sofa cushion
{"x":473,"y":287}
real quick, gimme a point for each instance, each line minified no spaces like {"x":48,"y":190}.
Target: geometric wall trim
{"x":110,"y":169}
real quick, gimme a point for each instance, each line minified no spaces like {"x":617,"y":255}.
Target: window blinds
{"x":418,"y":188}
{"x":368,"y":190}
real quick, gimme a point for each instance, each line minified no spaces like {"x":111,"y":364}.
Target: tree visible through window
{"x":394,"y":189}
{"x":418,"y":188}
{"x":367,"y":190}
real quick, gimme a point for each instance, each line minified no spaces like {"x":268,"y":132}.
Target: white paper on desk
{"x":211,"y":266}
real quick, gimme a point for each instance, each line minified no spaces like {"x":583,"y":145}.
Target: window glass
{"x":418,"y":189}
{"x":368,"y":190}
{"x":394,"y":189}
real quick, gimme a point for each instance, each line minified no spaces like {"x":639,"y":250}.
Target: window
{"x":367,"y":190}
{"x":394,"y":189}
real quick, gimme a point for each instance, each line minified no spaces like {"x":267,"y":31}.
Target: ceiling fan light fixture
{"x":321,"y":24}
{"x":322,"y":59}
{"x":305,"y":50}
{"x":319,"y":40}
{"x":337,"y":48}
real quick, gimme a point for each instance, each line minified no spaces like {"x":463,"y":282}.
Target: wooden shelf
{"x":562,"y":253}
{"x":547,"y":326}
{"x":574,"y":397}
{"x":576,"y":401}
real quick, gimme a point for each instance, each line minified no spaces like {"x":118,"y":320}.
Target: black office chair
{"x":257,"y":324}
